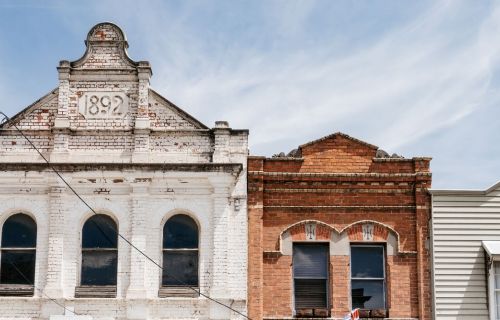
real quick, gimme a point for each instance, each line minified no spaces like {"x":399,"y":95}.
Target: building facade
{"x":466,"y":253}
{"x":339,"y":224}
{"x":153,"y":174}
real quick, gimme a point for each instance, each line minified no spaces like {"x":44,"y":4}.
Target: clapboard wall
{"x":461,"y":220}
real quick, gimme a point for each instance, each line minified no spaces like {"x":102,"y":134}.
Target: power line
{"x":118,"y":233}
{"x":41,"y":291}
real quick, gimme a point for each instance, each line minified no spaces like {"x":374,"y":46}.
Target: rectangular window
{"x":18,"y":266}
{"x":99,"y":267}
{"x":180,"y":267}
{"x":496,"y":272}
{"x":310,"y":275}
{"x":368,"y":276}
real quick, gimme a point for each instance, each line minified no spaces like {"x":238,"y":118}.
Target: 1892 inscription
{"x":103,"y":105}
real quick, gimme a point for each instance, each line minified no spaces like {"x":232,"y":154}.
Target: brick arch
{"x":297,"y":230}
{"x":381,"y":232}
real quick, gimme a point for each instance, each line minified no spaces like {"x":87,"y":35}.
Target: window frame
{"x":494,"y":312}
{"x":384,"y":266}
{"x":179,"y":290}
{"x":97,"y":290}
{"x":326,"y":244}
{"x":19,"y":289}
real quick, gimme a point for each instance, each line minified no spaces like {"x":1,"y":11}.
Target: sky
{"x":416,"y":78}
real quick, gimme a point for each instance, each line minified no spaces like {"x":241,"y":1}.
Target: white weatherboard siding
{"x":461,"y":220}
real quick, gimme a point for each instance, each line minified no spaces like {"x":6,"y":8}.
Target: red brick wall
{"x":338,"y":183}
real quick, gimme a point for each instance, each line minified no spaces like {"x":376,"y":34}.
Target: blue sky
{"x":417,"y":78}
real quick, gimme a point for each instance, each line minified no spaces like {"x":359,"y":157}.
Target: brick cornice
{"x":339,"y":175}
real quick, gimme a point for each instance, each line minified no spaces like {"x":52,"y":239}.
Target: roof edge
{"x":44,"y":98}
{"x":371,"y":146}
{"x":189,"y":117}
{"x":465,"y":191}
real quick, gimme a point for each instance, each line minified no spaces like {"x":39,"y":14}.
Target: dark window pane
{"x":368,"y":294}
{"x":367,"y":262}
{"x":19,"y":231}
{"x":310,"y":293}
{"x":310,"y":261}
{"x":180,"y":231}
{"x":99,"y":231}
{"x":99,"y":267}
{"x":24,"y":261}
{"x":180,"y":268}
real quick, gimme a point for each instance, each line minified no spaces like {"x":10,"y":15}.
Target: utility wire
{"x":119,"y":235}
{"x":41,"y":291}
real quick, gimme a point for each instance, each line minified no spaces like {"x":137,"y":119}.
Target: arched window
{"x":180,"y":252}
{"x":99,"y":251}
{"x":18,"y":250}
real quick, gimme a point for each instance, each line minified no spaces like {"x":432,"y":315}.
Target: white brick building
{"x":138,"y":159}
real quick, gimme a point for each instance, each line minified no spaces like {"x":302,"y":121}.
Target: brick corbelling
{"x":341,"y":209}
{"x":339,"y":175}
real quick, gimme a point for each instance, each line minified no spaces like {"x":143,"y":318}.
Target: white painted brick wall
{"x":140,"y":199}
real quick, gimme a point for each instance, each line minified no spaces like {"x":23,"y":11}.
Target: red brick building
{"x":338,"y":225}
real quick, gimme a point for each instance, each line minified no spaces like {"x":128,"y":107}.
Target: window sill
{"x":95,"y":292}
{"x":373,"y":313}
{"x":312,"y":313}
{"x":16,"y":290}
{"x":185,"y":292}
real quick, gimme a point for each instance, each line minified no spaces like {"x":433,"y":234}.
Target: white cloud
{"x":413,"y":81}
{"x":392,"y":84}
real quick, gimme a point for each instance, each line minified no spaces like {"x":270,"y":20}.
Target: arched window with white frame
{"x":99,"y":264}
{"x":18,"y":255}
{"x":180,"y":256}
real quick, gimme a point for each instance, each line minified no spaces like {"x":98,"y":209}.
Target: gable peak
{"x":106,"y":32}
{"x":106,"y":48}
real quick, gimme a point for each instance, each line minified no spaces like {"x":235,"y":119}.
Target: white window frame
{"x":492,"y":256}
{"x":492,"y":290}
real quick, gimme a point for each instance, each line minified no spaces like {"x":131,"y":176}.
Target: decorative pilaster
{"x":58,"y":210}
{"x":61,"y":122}
{"x":222,"y":133}
{"x":142,"y":123}
{"x":138,"y":209}
{"x":220,"y":259}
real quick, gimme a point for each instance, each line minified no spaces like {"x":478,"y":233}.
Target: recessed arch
{"x":180,"y":246}
{"x":18,"y":249}
{"x":390,"y":233}
{"x":99,"y":251}
{"x":303,"y":222}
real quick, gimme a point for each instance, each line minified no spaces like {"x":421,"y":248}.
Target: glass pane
{"x":496,"y":266}
{"x":310,"y":261}
{"x":16,"y":263}
{"x":367,"y":262}
{"x":368,"y":294}
{"x":99,"y":267}
{"x":180,"y":268}
{"x":99,"y":231}
{"x":497,"y":304}
{"x":180,"y":231}
{"x":497,"y":281}
{"x":19,"y":231}
{"x":310,"y":293}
